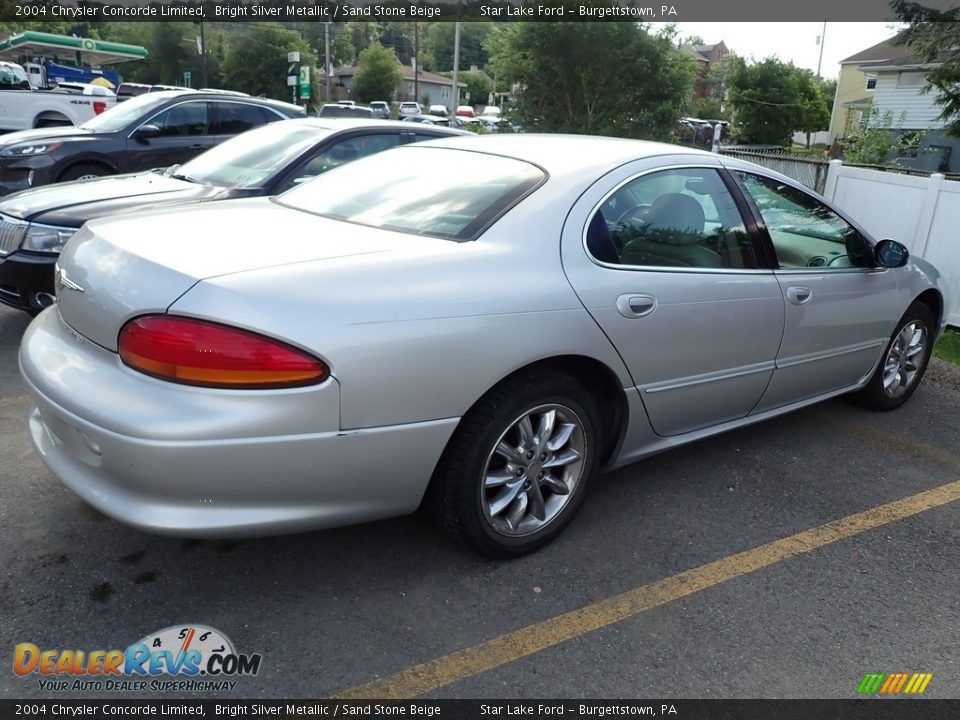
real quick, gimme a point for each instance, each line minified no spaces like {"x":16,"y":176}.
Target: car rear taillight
{"x":197,"y":352}
{"x":98,"y":107}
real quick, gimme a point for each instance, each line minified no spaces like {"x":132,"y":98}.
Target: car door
{"x":840,"y":308}
{"x":184,"y":133}
{"x":659,"y":255}
{"x":338,"y":152}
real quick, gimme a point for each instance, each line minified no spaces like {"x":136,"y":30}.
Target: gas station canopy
{"x":64,"y":47}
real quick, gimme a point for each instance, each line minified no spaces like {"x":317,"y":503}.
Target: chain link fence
{"x":809,"y":172}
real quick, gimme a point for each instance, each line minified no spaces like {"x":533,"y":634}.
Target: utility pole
{"x":456,"y":64}
{"x":203,"y":55}
{"x":416,"y":62}
{"x":326,"y":61}
{"x":823,"y":40}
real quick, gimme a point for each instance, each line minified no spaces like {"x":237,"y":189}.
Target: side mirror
{"x":891,"y":254}
{"x":146,"y":132}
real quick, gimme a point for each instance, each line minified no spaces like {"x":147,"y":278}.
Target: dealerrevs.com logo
{"x":178,"y":658}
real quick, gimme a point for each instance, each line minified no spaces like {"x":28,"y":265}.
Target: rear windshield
{"x":251,"y":159}
{"x":440,"y":192}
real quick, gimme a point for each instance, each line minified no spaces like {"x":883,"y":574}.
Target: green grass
{"x":948,"y":347}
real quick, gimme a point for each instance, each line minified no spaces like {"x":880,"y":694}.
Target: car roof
{"x":346,"y":123}
{"x":222,"y":96}
{"x":562,"y":154}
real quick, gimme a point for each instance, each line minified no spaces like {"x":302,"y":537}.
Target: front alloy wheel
{"x":904,"y":359}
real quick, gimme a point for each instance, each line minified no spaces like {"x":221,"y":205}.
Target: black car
{"x":35,"y":224}
{"x":148,"y":131}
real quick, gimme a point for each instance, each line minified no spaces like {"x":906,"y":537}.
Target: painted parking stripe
{"x":468,"y":662}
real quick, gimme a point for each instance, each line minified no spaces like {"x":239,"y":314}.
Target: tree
{"x":378,"y":75}
{"x":933,"y":36}
{"x":436,"y":45}
{"x":256,"y":59}
{"x":772,"y":100}
{"x":479,"y":86}
{"x":596,"y":78}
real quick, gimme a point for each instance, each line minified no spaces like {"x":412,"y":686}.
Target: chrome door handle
{"x":799,"y":294}
{"x":636,"y":306}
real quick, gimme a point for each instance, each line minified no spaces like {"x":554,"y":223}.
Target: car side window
{"x":341,"y":153}
{"x":183,"y":119}
{"x":235,"y":118}
{"x":805,"y":232}
{"x":684,"y":218}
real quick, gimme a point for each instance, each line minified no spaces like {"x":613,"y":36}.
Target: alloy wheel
{"x":533,"y":470}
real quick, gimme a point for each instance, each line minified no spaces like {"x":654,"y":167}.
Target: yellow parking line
{"x":493,"y":653}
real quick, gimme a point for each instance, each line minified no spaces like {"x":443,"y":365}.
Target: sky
{"x":793,"y":42}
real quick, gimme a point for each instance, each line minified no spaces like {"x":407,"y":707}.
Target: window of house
{"x":871,"y":83}
{"x":911,"y":79}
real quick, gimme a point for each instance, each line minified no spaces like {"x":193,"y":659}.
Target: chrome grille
{"x":11,"y":234}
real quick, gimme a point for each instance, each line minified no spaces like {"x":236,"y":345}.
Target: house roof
{"x":405,"y":70}
{"x":882,"y":51}
{"x":702,"y":52}
{"x":903,"y":63}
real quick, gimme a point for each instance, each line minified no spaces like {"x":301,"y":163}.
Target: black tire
{"x":83,"y":170}
{"x":874,"y":395}
{"x":458,"y":498}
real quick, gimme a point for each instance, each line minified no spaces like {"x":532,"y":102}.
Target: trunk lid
{"x":119,"y":268}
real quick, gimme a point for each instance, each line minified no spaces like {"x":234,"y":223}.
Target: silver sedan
{"x":480,"y":324}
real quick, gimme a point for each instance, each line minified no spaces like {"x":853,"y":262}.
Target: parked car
{"x":465,"y":111}
{"x":151,"y":130}
{"x":409,"y":108}
{"x":339,"y":110}
{"x":380,"y":109}
{"x":128,"y":90}
{"x":35,"y":224}
{"x":491,"y":110}
{"x":483,"y":341}
{"x":489,"y":124}
{"x":438,"y":110}
{"x":429,"y":120}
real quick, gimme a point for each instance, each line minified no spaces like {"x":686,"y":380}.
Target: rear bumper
{"x":197,"y":462}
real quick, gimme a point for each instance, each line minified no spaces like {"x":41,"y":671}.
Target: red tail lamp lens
{"x":196,"y":352}
{"x":98,"y":107}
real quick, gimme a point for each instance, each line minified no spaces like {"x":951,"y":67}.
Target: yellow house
{"x":855,"y":87}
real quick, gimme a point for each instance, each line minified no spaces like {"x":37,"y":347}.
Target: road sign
{"x":305,"y":82}
{"x":293,"y":57}
{"x":187,"y":76}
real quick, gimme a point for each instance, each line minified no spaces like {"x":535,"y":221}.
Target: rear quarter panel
{"x":421,"y":334}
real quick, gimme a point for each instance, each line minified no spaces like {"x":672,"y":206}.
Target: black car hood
{"x":71,"y":204}
{"x":41,"y":134}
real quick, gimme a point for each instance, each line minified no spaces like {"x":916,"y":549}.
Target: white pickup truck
{"x":22,"y":108}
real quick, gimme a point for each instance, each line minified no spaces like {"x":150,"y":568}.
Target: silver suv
{"x":409,"y":109}
{"x":380,"y":109}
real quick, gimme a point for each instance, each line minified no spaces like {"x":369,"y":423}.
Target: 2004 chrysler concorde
{"x":480,"y":324}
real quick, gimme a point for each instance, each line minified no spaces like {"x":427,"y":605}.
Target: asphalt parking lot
{"x":674,"y":581}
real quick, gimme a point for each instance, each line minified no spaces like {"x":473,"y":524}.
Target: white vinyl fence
{"x":921,"y":212}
